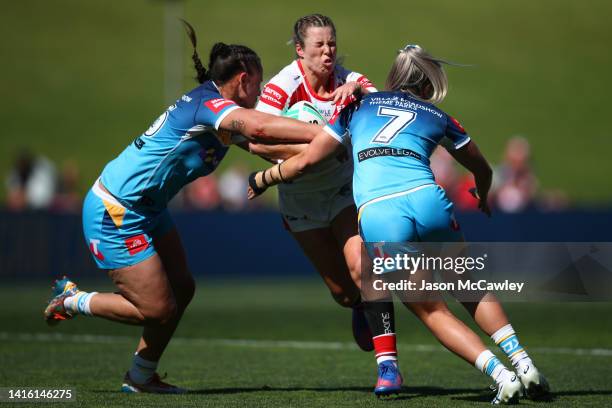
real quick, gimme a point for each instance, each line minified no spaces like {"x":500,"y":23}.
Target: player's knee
{"x":354,"y":267}
{"x":352,"y":255}
{"x":345,"y":299}
{"x":161,"y":312}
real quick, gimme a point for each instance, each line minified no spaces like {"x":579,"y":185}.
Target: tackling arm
{"x":268,"y":128}
{"x":322,"y":146}
{"x":277,"y":151}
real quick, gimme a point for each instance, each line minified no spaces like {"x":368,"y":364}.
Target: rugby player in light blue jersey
{"x":393,"y":134}
{"x":125,"y":220}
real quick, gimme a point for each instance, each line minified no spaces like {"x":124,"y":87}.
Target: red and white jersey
{"x":290,"y":86}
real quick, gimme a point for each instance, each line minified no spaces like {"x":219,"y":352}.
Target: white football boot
{"x":508,"y":392}
{"x":535,"y":386}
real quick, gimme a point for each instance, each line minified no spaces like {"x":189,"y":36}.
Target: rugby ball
{"x":305,"y":112}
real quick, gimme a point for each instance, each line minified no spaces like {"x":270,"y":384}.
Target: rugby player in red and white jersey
{"x":318,"y":209}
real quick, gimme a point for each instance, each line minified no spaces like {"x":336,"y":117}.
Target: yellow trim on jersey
{"x":359,"y":214}
{"x":116,"y":212}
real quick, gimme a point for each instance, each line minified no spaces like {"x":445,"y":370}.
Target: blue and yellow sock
{"x":490,"y":365}
{"x":508,"y":342}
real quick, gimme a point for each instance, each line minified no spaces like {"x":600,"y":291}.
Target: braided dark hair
{"x":311,"y":20}
{"x":225,"y":60}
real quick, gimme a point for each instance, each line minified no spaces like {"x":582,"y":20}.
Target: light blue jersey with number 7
{"x":393,"y":135}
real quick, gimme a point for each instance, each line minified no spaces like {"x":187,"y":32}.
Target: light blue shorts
{"x":117,"y":236}
{"x":422,"y":214}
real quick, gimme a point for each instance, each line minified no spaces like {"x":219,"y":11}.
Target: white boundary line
{"x":273,"y":344}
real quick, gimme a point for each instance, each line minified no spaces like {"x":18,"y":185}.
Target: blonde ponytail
{"x":416,"y":72}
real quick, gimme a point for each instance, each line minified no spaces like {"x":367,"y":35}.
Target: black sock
{"x":381,"y":319}
{"x":380,"y":316}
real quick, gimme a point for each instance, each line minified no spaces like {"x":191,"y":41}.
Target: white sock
{"x":491,"y":366}
{"x":142,"y":370}
{"x":79,"y":303}
{"x":386,"y":358}
{"x":508,"y":342}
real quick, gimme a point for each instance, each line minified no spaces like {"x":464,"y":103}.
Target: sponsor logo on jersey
{"x":136,"y":244}
{"x":365,"y":82}
{"x":373,"y":152}
{"x":456,"y":123}
{"x":217,"y":104}
{"x":138,"y":143}
{"x":93,"y":247}
{"x":274,"y":96}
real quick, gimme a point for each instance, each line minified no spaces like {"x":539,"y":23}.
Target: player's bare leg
{"x":155,"y":338}
{"x":450,"y":331}
{"x":490,"y":316}
{"x":461,"y":340}
{"x":153,"y":293}
{"x":335,"y":254}
{"x":144,"y":297}
{"x":326,"y":255}
{"x":344,"y":228}
{"x":488,"y":313}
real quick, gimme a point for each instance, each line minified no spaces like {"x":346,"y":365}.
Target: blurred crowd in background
{"x":36,"y":183}
{"x":515,"y":186}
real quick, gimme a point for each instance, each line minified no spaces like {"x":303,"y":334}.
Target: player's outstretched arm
{"x":470,"y":157}
{"x":276,"y":151}
{"x":268,"y":128}
{"x":322,"y":146}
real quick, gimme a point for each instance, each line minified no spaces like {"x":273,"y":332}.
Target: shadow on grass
{"x":407,"y":392}
{"x":474,"y":394}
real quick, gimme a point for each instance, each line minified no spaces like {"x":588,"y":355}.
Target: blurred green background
{"x":80,"y":80}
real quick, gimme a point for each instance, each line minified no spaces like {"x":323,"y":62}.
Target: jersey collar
{"x":331,"y":83}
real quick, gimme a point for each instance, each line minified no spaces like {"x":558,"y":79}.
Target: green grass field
{"x":80,"y":80}
{"x":264,"y":344}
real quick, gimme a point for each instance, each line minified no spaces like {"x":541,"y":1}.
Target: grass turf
{"x":323,"y":370}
